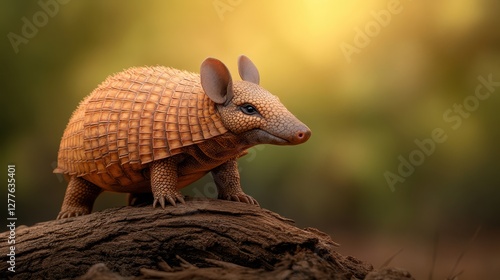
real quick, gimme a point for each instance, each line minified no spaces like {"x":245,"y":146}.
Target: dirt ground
{"x":480,"y":261}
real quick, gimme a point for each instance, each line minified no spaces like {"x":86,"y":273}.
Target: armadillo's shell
{"x":135,"y":117}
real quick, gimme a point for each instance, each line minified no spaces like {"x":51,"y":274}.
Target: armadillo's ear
{"x":216,"y":81}
{"x":248,"y":71}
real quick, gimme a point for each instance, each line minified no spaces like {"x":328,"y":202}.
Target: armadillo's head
{"x":249,"y":110}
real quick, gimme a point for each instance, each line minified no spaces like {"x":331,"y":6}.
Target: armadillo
{"x":154,"y":130}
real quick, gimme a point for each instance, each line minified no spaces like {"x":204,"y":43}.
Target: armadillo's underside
{"x":133,"y":118}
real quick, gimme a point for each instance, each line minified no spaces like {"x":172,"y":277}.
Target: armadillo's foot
{"x":164,"y":182}
{"x":70,"y":212}
{"x":240,"y":197}
{"x":227,"y":179}
{"x":171,"y":198}
{"x":79,"y":198}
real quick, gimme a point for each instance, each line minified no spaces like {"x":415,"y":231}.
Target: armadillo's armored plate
{"x":135,"y":117}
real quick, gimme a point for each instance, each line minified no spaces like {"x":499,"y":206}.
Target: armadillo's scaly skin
{"x":133,"y":118}
{"x":79,"y":198}
{"x":227,"y":179}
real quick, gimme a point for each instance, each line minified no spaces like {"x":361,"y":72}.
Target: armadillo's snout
{"x":300,"y":136}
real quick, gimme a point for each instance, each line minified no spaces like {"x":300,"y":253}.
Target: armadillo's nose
{"x":301,"y":136}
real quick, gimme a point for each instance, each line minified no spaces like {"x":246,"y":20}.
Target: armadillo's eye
{"x":248,"y":109}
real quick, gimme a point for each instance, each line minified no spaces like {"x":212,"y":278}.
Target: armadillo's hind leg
{"x":164,"y":182}
{"x":79,"y":198}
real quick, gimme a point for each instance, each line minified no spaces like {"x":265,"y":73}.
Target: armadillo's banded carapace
{"x":135,"y":117}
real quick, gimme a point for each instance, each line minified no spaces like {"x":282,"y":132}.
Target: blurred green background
{"x":409,"y":62}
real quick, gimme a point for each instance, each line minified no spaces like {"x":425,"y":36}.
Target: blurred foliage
{"x":364,"y":113}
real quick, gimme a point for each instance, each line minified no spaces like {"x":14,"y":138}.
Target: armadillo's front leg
{"x":164,"y":182}
{"x":227,"y":179}
{"x":79,"y":198}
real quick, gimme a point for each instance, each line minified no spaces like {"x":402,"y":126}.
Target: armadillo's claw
{"x":170,"y":198}
{"x":241,"y":197}
{"x":236,"y":198}
{"x":69,"y":214}
{"x":161,"y":200}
